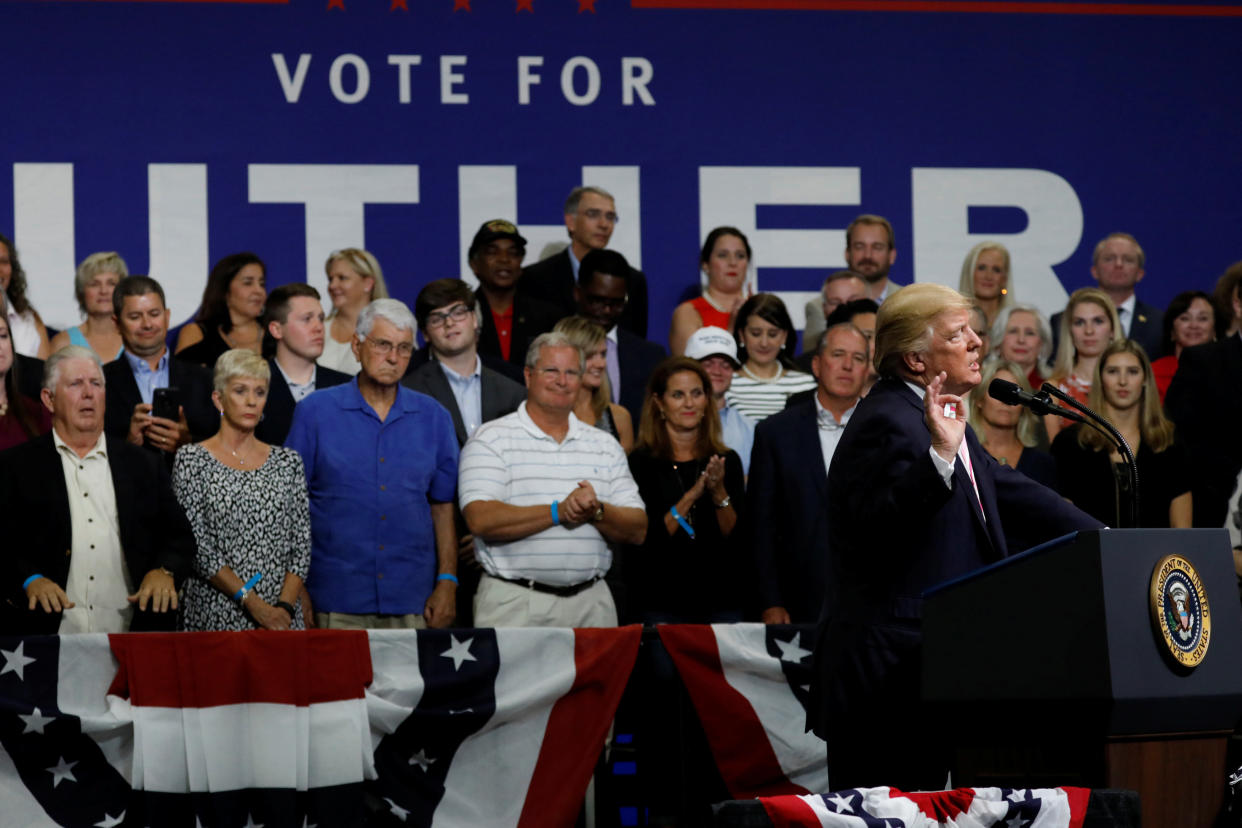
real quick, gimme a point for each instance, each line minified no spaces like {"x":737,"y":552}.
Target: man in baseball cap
{"x":716,"y":351}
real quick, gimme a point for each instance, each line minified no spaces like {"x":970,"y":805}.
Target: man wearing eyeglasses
{"x":509,"y":320}
{"x":602,"y":295}
{"x":544,"y":496}
{"x":590,"y":218}
{"x":381,"y":470}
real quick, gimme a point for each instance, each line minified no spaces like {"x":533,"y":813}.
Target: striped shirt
{"x":513,"y":461}
{"x":758,"y":400}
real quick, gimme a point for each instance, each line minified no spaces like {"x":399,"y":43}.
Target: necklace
{"x":707,"y":297}
{"x":239,"y":458}
{"x":780,"y":372}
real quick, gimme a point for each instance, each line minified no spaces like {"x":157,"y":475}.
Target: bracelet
{"x":447,"y":576}
{"x":287,"y":607}
{"x":684,"y":524}
{"x":30,"y":580}
{"x":556,"y":518}
{"x":240,"y":595}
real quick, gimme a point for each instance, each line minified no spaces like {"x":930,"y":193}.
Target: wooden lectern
{"x":1047,"y":669}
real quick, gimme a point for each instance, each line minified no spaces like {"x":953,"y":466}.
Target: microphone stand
{"x":1102,"y":425}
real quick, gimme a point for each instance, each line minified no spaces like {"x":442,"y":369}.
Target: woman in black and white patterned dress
{"x":247,"y":503}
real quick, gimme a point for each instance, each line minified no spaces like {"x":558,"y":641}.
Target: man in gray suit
{"x":473,"y":393}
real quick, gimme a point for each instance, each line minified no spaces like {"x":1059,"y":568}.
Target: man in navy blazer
{"x":1117,"y":265}
{"x":788,"y":482}
{"x":913,"y":500}
{"x":602,"y":294}
{"x":294,"y":340}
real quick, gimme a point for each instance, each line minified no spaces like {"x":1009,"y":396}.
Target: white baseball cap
{"x":711,"y":341}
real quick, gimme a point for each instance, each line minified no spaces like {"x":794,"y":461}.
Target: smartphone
{"x":166,"y":403}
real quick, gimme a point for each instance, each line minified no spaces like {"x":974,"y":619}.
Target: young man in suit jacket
{"x":601,"y":295}
{"x":295,"y":332}
{"x":913,"y":501}
{"x":456,"y":377}
{"x":96,"y":541}
{"x":590,"y":218}
{"x":146,"y":365}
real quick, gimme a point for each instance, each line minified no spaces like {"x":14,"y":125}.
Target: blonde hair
{"x":92,"y":266}
{"x":586,"y":336}
{"x":239,"y":362}
{"x":1067,"y":353}
{"x":904,"y":322}
{"x":1155,"y":429}
{"x":966,"y":286}
{"x":1028,"y":420}
{"x":365,"y":264}
{"x":1041,"y":322}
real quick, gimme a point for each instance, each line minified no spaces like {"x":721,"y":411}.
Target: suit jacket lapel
{"x":809,"y":438}
{"x":54,"y":485}
{"x":438,"y":386}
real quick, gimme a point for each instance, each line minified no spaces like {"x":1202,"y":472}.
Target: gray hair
{"x":576,"y":194}
{"x":51,"y":368}
{"x":92,"y":266}
{"x":1041,"y":322}
{"x":552,"y":339}
{"x":394,"y":310}
{"x":239,"y":362}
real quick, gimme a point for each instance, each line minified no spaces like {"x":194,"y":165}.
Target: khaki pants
{"x":349,"y":621}
{"x":499,"y":603}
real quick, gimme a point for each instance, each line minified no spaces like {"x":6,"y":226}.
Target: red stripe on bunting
{"x":789,"y":812}
{"x":738,"y":740}
{"x":957,"y":6}
{"x":208,"y":669}
{"x":578,"y":725}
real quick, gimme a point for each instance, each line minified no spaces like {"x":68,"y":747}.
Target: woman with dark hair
{"x":765,"y":337}
{"x":21,"y":418}
{"x":724,"y":263}
{"x":229,"y":314}
{"x":1091,"y":473}
{"x":1191,"y":319}
{"x":26,"y":330}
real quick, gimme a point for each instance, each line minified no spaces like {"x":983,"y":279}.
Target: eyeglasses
{"x":383,"y":347}
{"x":594,"y":214}
{"x":457,"y":313}
{"x":595,"y":300}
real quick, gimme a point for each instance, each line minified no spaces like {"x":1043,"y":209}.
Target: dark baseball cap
{"x":493,"y":230}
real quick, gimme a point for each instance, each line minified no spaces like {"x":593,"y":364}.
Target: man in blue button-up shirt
{"x":381,"y":468}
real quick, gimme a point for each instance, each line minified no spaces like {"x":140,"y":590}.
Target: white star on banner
{"x":459,"y":652}
{"x":306,"y":823}
{"x":35,"y":722}
{"x":422,"y":759}
{"x":842,"y":804}
{"x":398,"y":811}
{"x":1016,"y":822}
{"x":63,"y":770}
{"x":1015,"y":795}
{"x":110,"y":821}
{"x":791,"y":650}
{"x":15,"y":661}
{"x":250,"y":823}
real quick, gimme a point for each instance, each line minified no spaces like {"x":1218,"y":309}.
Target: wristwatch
{"x":599,"y":514}
{"x":724,"y":504}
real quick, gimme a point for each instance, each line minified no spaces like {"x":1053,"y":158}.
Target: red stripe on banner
{"x":940,"y":805}
{"x":578,"y":725}
{"x":1078,"y":805}
{"x":1026,"y":7}
{"x":208,"y":669}
{"x":789,"y":812}
{"x":738,"y":741}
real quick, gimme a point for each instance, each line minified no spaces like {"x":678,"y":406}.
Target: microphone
{"x":1041,"y":403}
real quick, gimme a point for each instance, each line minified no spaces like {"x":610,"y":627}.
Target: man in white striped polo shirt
{"x":544,"y":495}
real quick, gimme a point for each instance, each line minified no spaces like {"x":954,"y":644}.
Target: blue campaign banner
{"x":179,"y":132}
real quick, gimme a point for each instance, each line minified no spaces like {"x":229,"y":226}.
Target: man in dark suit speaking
{"x":913,"y":501}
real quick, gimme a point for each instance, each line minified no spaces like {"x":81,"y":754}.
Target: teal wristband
{"x":556,"y":518}
{"x":30,"y":580}
{"x":446,"y":576}
{"x":684,"y":524}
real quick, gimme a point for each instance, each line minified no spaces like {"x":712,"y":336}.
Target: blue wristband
{"x":249,"y":585}
{"x":684,"y":524}
{"x":447,"y":576}
{"x":556,"y":518}
{"x":30,"y":580}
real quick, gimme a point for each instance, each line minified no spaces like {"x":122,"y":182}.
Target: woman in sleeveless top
{"x":93,"y":283}
{"x":594,"y":406}
{"x":724,"y":261}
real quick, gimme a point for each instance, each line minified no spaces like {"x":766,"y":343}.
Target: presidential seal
{"x":1179,"y":610}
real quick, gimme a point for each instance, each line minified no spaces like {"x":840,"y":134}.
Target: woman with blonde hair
{"x":594,"y":406}
{"x":93,"y":282}
{"x":248,"y":506}
{"x":1022,"y":335}
{"x":986,"y":278}
{"x":1091,"y":473}
{"x":1014,"y":435}
{"x":1088,"y":326}
{"x":354,"y":280}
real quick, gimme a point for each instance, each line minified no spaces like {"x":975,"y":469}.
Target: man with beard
{"x":870,"y":249}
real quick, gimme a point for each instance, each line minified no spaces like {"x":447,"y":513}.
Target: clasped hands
{"x":579,"y":506}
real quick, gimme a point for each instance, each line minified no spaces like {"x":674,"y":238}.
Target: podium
{"x":1049,"y":670}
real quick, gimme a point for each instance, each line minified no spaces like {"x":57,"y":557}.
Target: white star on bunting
{"x":63,"y":770}
{"x":398,"y":811}
{"x":422,"y":759}
{"x":791,"y":650}
{"x":459,"y":652}
{"x":15,"y":661}
{"x":110,"y":821}
{"x":36,"y":721}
